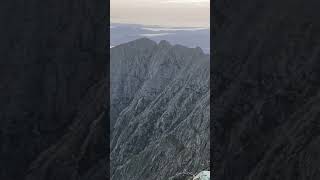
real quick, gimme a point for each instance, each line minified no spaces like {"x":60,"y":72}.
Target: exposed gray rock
{"x":203,"y":175}
{"x":159,"y":109}
{"x":182,"y":176}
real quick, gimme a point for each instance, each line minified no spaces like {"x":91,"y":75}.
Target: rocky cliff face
{"x":53,"y":89}
{"x":265,"y":90}
{"x":159,"y":109}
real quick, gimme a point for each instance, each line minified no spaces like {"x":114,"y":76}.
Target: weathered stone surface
{"x":203,"y":175}
{"x":160,"y":110}
{"x":182,"y":176}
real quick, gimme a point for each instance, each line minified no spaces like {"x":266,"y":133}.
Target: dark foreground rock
{"x":265,"y":90}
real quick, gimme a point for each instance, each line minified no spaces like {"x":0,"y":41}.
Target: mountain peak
{"x":144,"y":41}
{"x":198,"y":49}
{"x":164,"y":43}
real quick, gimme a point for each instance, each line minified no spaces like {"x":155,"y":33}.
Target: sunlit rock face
{"x":159,"y":110}
{"x":203,"y":175}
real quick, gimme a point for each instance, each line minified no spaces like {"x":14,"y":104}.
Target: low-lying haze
{"x":173,"y":13}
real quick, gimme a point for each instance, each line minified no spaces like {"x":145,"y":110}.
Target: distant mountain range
{"x":187,"y":36}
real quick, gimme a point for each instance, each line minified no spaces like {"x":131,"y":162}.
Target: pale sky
{"x":173,"y":13}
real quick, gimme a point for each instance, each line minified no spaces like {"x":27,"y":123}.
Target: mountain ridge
{"x":163,"y":43}
{"x":166,"y":86}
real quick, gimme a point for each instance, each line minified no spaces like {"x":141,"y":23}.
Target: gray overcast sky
{"x":177,"y":13}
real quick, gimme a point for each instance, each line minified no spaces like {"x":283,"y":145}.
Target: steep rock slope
{"x":159,"y":109}
{"x":265,"y":90}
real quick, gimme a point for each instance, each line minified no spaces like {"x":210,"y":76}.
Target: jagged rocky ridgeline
{"x":159,"y":110}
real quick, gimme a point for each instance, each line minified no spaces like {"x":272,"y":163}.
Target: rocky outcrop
{"x":203,"y":175}
{"x":159,"y":109}
{"x":265,"y":90}
{"x":53,"y":67}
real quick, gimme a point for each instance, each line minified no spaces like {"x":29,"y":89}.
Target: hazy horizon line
{"x":158,"y":25}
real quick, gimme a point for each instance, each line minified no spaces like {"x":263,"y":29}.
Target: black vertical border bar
{"x":108,"y":90}
{"x":212,"y":34}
